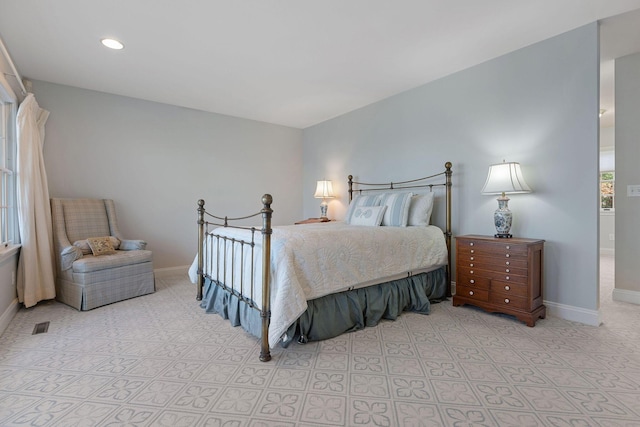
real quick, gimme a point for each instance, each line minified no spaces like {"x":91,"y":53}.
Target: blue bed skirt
{"x":335,"y":314}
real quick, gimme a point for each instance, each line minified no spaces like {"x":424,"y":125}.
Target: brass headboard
{"x":418,"y":183}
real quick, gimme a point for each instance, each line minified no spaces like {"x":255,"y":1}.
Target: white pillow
{"x":420,"y":209}
{"x":368,"y":215}
{"x":361,"y":200}
{"x":397,"y":211}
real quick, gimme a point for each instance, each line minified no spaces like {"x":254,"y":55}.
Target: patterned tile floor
{"x":158,"y":360}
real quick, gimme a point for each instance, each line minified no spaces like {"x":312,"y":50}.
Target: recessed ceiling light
{"x":112,"y":44}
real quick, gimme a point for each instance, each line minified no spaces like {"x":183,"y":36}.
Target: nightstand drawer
{"x":473,"y":272}
{"x":491,"y":271}
{"x":513,"y":289}
{"x":472,"y":293}
{"x":493,"y":246}
{"x":493,"y":261}
{"x":508,"y":301}
{"x":509,"y":278}
{"x":509,"y":269}
{"x":473,"y":282}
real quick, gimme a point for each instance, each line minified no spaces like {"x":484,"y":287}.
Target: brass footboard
{"x":206,"y":231}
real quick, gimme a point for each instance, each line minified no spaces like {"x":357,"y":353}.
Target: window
{"x":8,"y":214}
{"x":607,"y":191}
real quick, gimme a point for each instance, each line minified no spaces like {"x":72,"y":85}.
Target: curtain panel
{"x":35,"y":267}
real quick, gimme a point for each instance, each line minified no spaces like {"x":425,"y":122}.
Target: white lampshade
{"x":505,"y":178}
{"x":324,"y":190}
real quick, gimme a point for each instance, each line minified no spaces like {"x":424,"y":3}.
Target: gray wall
{"x":537,"y":106}
{"x":157,"y":160}
{"x":627,"y":173}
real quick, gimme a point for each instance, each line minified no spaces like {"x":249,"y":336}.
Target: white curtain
{"x":35,"y":267}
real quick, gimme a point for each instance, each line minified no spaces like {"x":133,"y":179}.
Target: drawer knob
{"x":470,"y":265}
{"x":471,"y":258}
{"x":471,"y":244}
{"x":507,"y":270}
{"x":506,"y":300}
{"x":470,"y":292}
{"x":470,"y":271}
{"x":472,"y":281}
{"x":508,"y":247}
{"x":506,"y":288}
{"x":472,"y":251}
{"x":507,"y":263}
{"x":507,"y":255}
{"x":507,"y":278}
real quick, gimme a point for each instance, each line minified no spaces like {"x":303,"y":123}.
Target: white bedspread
{"x":313,"y":260}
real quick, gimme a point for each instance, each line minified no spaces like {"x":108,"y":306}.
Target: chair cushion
{"x":88,"y":264}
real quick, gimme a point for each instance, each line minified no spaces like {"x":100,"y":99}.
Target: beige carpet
{"x":158,"y":360}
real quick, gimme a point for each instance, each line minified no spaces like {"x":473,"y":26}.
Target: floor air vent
{"x":40,"y":328}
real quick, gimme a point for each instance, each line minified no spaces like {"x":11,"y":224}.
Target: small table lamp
{"x":504,"y":178}
{"x":324,"y":190}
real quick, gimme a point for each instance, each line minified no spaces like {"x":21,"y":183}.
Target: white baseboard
{"x":8,"y":314}
{"x":574,"y":314}
{"x":624,"y":295}
{"x":171,"y":271}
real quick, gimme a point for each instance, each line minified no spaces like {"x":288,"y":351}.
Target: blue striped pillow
{"x":397,"y":212}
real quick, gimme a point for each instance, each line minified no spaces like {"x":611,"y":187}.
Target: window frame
{"x":9,"y":235}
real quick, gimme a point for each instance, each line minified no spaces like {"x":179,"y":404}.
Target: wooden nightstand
{"x":501,"y":275}
{"x":313,"y":221}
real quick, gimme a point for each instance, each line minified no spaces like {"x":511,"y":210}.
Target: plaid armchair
{"x":85,"y":280}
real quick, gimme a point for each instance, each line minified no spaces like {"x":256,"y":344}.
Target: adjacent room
{"x":328,"y":213}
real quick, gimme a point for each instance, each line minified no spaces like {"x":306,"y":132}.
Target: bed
{"x":316,"y":281}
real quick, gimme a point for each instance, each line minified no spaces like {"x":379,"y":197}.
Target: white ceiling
{"x":290,"y":62}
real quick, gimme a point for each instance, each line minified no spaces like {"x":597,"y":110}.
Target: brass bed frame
{"x":205,"y":229}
